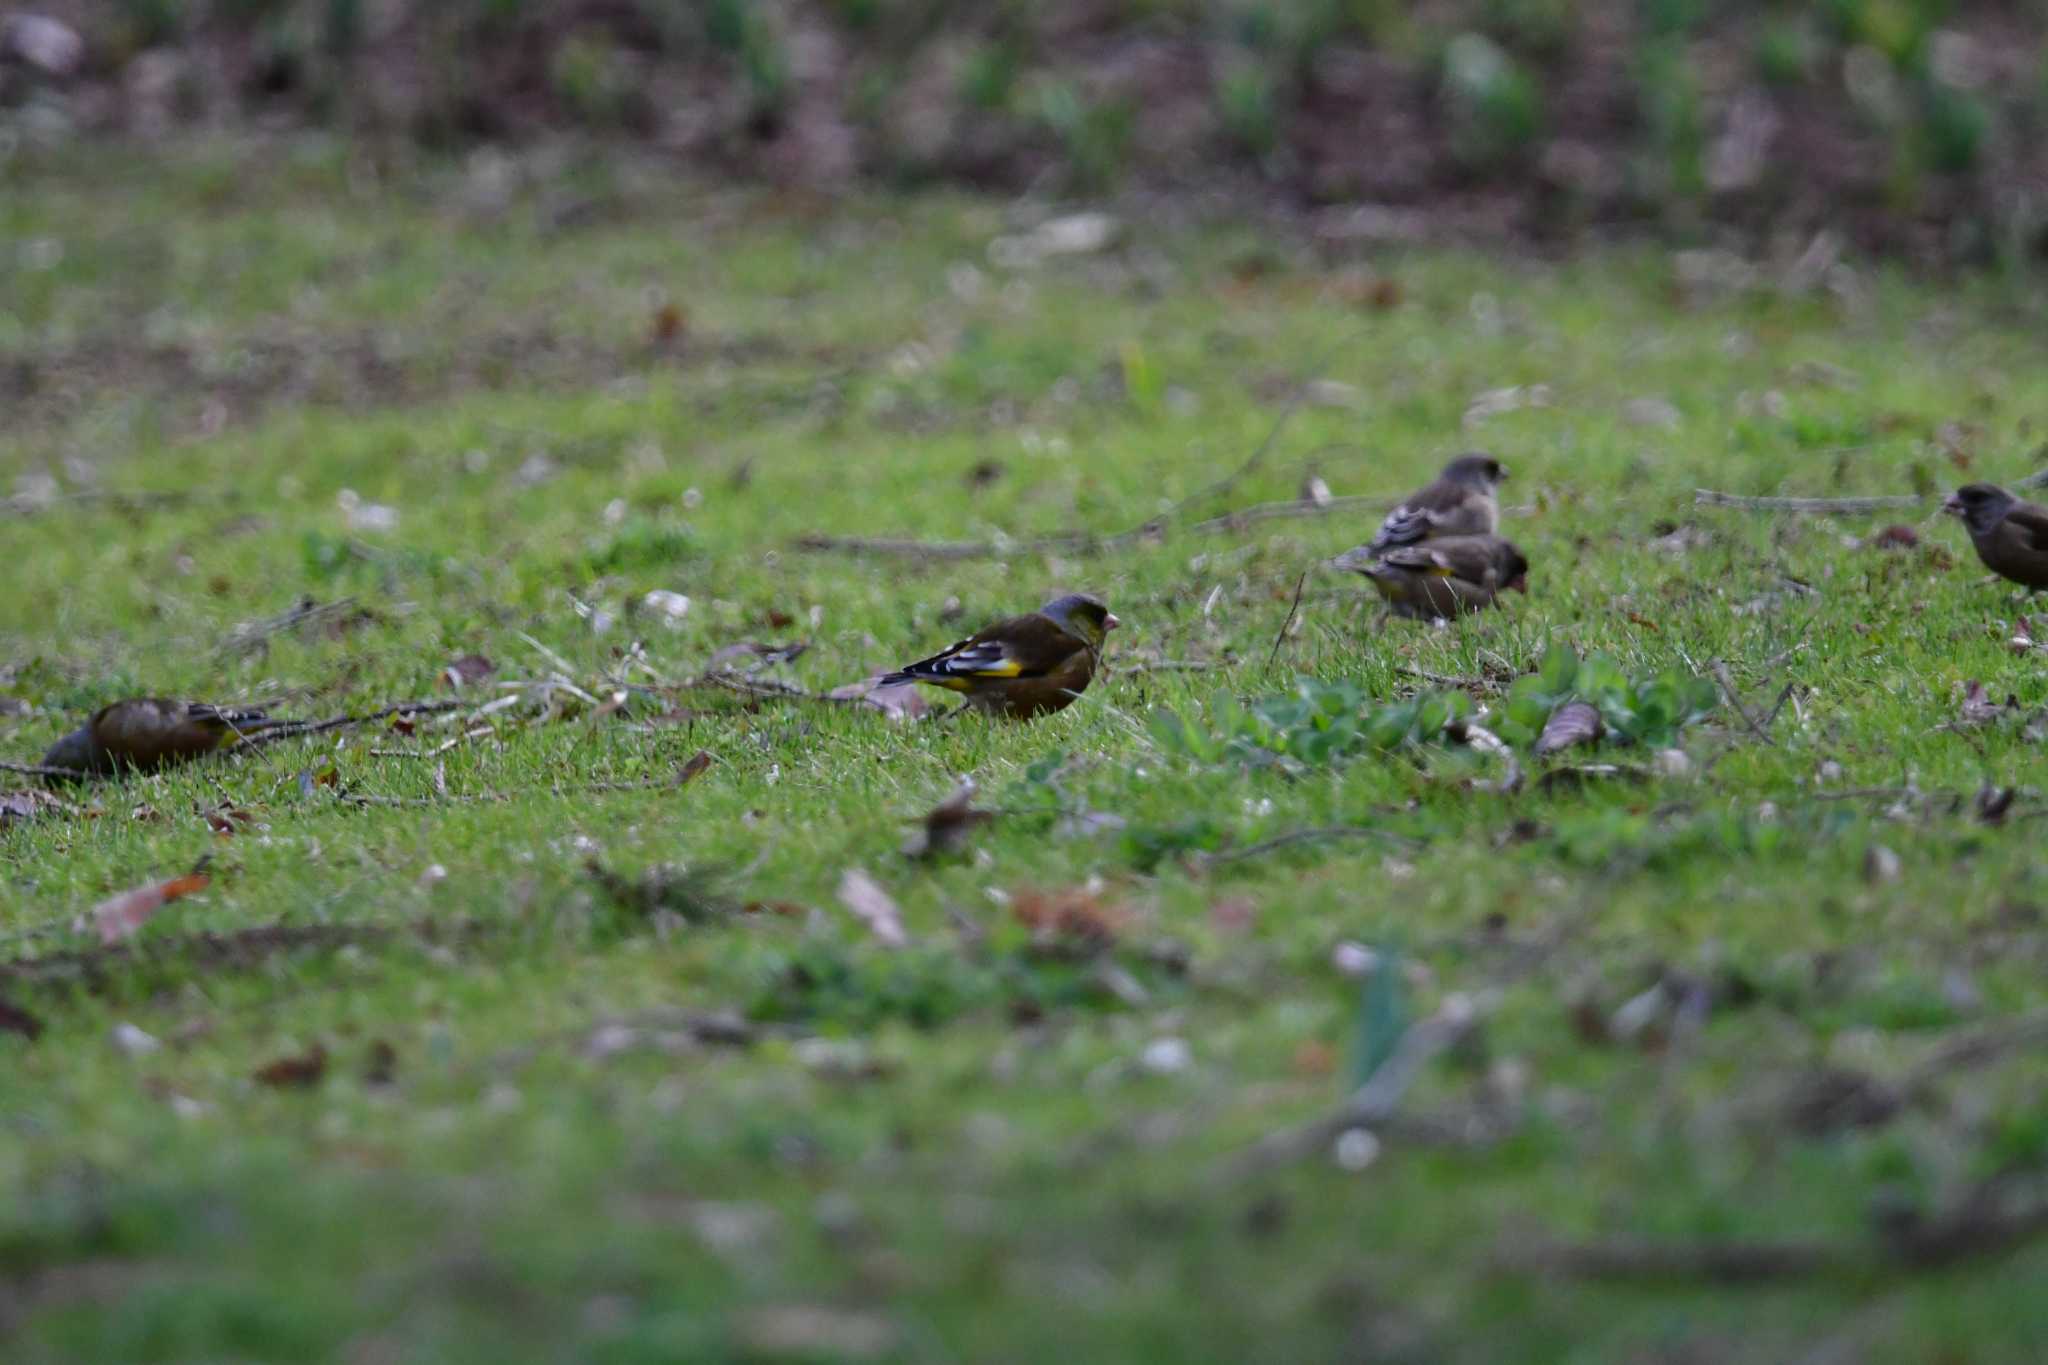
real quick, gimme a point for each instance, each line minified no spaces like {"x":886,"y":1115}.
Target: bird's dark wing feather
{"x":1405,"y":525}
{"x":1025,"y":647}
{"x":2029,"y":525}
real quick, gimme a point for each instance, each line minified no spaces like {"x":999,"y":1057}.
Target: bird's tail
{"x":232,"y":720}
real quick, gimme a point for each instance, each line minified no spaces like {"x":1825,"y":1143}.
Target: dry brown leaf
{"x":118,"y":917}
{"x":946,"y":825}
{"x":693,"y":767}
{"x":1576,"y":722}
{"x":226,"y":819}
{"x":898,"y":701}
{"x":1895,"y":537}
{"x":1075,"y":918}
{"x":302,"y":1072}
{"x":864,"y":897}
{"x":27,"y":803}
{"x":470,"y":668}
{"x":668,"y":324}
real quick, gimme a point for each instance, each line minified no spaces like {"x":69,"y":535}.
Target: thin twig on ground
{"x":1301,"y":836}
{"x":1292,"y":611}
{"x":293,"y":729}
{"x":1734,"y":696}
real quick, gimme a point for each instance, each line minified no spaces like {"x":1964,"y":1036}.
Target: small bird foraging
{"x":1026,"y":666}
{"x":1441,"y":578}
{"x":1463,"y":501}
{"x":147,"y":733}
{"x":2011,"y":534}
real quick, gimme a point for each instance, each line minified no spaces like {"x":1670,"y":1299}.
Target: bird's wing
{"x":1405,"y":525}
{"x":1027,"y":647}
{"x":1424,"y":558}
{"x":2029,"y":526}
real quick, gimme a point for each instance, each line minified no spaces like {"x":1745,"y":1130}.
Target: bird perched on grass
{"x":1463,"y":501}
{"x":147,"y":733}
{"x":2011,"y":535}
{"x":1441,"y":578}
{"x":1023,"y":667}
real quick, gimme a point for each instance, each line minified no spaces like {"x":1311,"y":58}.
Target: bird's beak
{"x":1503,"y":475}
{"x":1520,"y":585}
{"x":1110,"y":622}
{"x":1952,"y":505}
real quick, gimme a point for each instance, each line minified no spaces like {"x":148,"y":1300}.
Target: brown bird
{"x":2011,"y":535}
{"x":1444,"y":577}
{"x":147,"y":733}
{"x":1464,"y":501}
{"x":1023,"y":667}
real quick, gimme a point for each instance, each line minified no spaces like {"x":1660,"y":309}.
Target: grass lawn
{"x":1721,"y":1010}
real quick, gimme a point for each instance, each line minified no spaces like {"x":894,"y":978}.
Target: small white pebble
{"x":1356,"y":1149}
{"x":1354,"y":959}
{"x":1167,"y":1057}
{"x":133,"y":1042}
{"x":1673,"y":763}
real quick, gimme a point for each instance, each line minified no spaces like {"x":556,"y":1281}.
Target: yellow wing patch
{"x":1008,"y":668}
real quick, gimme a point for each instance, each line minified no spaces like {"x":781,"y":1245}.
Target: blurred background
{"x":1906,"y":126}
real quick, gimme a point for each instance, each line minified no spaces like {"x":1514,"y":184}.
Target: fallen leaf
{"x":1075,"y":919}
{"x":119,"y":916}
{"x":984,"y":473}
{"x":671,"y":607}
{"x":667,"y":325}
{"x":27,"y":803}
{"x":470,"y":668}
{"x":1881,"y":865}
{"x":295,"y":1073}
{"x":1994,"y":802}
{"x":898,"y":701}
{"x":226,"y":819}
{"x":1493,"y":403}
{"x":779,"y":619}
{"x":946,"y":825}
{"x":1894,"y":537}
{"x":693,"y":767}
{"x":1576,"y":722}
{"x":864,"y":897}
{"x":15,"y":1019}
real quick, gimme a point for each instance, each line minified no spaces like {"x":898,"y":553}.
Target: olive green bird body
{"x":144,"y":734}
{"x":2010,"y":534}
{"x":1027,"y":666}
{"x":1441,"y":578}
